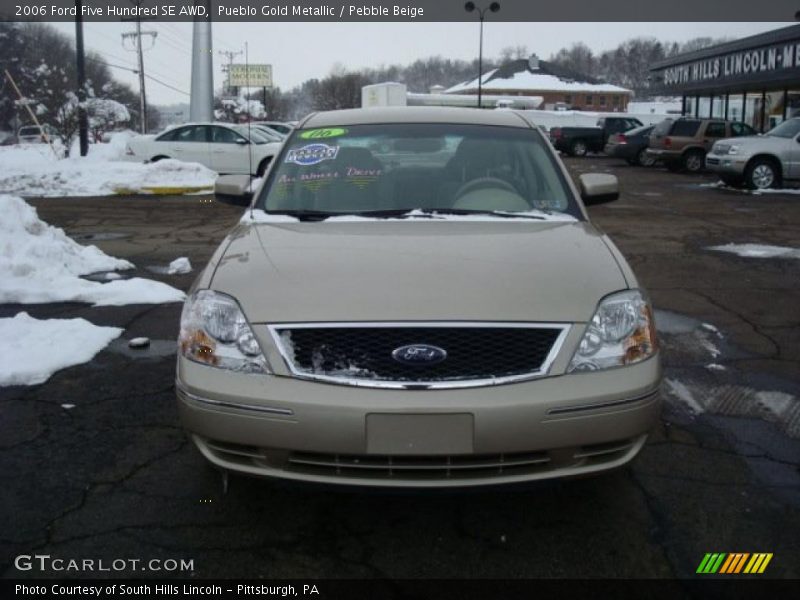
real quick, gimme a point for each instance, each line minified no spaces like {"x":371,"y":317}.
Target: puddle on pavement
{"x":101,"y":236}
{"x":156,"y":349}
{"x":701,"y":383}
{"x":157,"y":269}
{"x":671,"y":322}
{"x":106,"y":276}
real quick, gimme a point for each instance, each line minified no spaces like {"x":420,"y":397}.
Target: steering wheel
{"x":484,"y":183}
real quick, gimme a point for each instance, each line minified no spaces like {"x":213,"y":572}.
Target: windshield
{"x":255,"y":134}
{"x":29,"y":130}
{"x":787,"y":129}
{"x":396,"y":168}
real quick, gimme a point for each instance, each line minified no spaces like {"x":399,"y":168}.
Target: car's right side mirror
{"x":233,"y":189}
{"x":598,"y":188}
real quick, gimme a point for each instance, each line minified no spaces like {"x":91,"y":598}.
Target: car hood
{"x":398,"y":271}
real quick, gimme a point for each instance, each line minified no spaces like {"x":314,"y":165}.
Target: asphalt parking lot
{"x":115,"y":477}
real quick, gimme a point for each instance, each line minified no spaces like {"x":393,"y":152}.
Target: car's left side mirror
{"x":242,"y":141}
{"x":598,"y":188}
{"x":233,"y":189}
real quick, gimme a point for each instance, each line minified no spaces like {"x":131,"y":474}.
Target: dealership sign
{"x":250,"y":76}
{"x":769,"y":60}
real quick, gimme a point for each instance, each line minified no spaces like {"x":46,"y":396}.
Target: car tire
{"x":694,"y":161}
{"x":762,"y":174}
{"x":644,"y":159}
{"x":262,"y":166}
{"x":578,"y":148}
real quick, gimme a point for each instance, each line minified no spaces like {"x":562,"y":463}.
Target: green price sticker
{"x":321,"y":134}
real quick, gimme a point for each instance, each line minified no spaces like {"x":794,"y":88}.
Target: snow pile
{"x":34,"y":170}
{"x":33,"y":349}
{"x":758,"y":250}
{"x":179,"y":266}
{"x":40,"y":263}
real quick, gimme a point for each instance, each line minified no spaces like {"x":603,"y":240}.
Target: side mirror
{"x":598,"y":188}
{"x":233,"y":189}
{"x":242,"y":141}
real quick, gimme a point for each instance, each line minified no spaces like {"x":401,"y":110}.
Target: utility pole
{"x":83,"y":121}
{"x":230,"y":54}
{"x":201,"y":103}
{"x":138,"y":49}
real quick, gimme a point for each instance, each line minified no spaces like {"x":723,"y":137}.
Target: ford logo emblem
{"x":419,"y":354}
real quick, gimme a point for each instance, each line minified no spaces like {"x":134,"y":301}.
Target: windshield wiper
{"x":494,"y":213}
{"x":305,"y":215}
{"x":401,"y":213}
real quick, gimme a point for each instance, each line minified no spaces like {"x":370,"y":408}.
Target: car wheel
{"x":694,"y":161}
{"x":578,"y":148}
{"x":762,"y":174}
{"x":262,"y":166}
{"x":644,"y":159}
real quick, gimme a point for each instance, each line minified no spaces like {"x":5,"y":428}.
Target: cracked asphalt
{"x":115,"y":477}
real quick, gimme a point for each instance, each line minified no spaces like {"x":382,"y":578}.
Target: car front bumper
{"x":304,"y":430}
{"x":621,"y":150}
{"x":726,"y":164}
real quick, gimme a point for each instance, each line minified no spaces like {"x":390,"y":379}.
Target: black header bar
{"x":402,"y":10}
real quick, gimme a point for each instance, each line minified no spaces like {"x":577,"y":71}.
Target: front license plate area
{"x":420,"y":434}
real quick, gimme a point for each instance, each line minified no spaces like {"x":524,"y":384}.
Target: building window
{"x":602,"y":100}
{"x":615,"y":100}
{"x":589,"y":100}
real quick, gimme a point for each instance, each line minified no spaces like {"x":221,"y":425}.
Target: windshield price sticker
{"x":311,"y":154}
{"x":319,"y":134}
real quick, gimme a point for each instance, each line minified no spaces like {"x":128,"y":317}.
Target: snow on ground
{"x":179,"y":266}
{"x":40,"y":263}
{"x":758,"y":250}
{"x":684,"y":394}
{"x":34,"y":170}
{"x":34,"y":349}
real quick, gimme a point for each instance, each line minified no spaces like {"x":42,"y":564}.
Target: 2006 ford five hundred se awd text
{"x":416,"y":297}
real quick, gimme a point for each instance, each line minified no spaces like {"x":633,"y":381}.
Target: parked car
{"x":683,"y":143}
{"x":578,"y":141}
{"x":759,"y":161}
{"x":447,"y":315}
{"x":282,"y":128}
{"x":632,"y":146}
{"x":33,"y":134}
{"x":222,"y":147}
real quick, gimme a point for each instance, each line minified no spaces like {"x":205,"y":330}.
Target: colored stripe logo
{"x":734,"y":563}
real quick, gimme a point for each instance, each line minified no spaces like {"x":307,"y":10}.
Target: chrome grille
{"x":362,"y":354}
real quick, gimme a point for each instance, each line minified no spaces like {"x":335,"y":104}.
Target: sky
{"x":300,"y":51}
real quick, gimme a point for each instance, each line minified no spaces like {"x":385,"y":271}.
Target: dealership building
{"x":755,"y":80}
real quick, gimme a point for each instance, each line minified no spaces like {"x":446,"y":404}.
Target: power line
{"x":147,"y":75}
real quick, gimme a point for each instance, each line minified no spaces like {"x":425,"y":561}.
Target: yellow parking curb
{"x":164,"y":190}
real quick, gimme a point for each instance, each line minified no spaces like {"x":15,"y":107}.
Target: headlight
{"x":621,"y":332}
{"x":215,"y":332}
{"x":733,"y":150}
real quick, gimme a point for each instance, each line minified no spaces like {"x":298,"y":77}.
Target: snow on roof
{"x":517,"y":75}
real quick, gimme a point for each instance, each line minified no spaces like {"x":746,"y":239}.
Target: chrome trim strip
{"x":609,"y":404}
{"x":543,"y":370}
{"x":236,"y":405}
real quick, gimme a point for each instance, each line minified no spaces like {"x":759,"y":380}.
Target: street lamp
{"x":469,"y":7}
